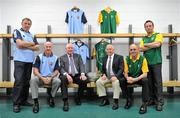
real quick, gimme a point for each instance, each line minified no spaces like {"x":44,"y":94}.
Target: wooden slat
{"x":169,"y":34}
{"x":68,"y":35}
{"x":139,"y":35}
{"x":178,"y":34}
{"x":6,"y":84}
{"x":7,"y":35}
{"x":72,"y":85}
{"x":108,"y":85}
{"x":41,"y":35}
{"x":122,"y":35}
{"x":11,"y":84}
{"x":134,"y":85}
{"x":165,"y":84}
{"x":125,"y":35}
{"x":171,"y":84}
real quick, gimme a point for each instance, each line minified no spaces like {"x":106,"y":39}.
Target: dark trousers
{"x":155,"y":83}
{"x":22,"y":75}
{"x":128,"y":92}
{"x":76,"y":79}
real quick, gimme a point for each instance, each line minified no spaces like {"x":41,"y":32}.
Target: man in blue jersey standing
{"x":24,"y":46}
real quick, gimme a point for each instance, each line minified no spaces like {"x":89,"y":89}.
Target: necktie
{"x":72,"y":66}
{"x":109,"y":68}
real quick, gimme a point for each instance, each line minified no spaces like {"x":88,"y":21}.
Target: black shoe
{"x":151,"y":103}
{"x":78,"y":101}
{"x":51,"y":102}
{"x":115,"y":106}
{"x":128,"y":104}
{"x":36,"y":107}
{"x":26,"y":103}
{"x":143,"y":109}
{"x":16,"y":108}
{"x":159,"y":107}
{"x":66,"y":106}
{"x":104,"y":102}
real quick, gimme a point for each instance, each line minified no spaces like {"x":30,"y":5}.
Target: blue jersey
{"x":75,"y":19}
{"x":81,"y":49}
{"x":23,"y":55}
{"x":46,"y":65}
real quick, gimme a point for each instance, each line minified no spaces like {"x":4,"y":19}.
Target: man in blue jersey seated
{"x":45,"y":69}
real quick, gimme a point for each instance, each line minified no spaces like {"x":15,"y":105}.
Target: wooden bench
{"x":6,"y":84}
{"x":165,"y":84}
{"x":72,"y":85}
{"x":108,"y":85}
{"x":171,"y":84}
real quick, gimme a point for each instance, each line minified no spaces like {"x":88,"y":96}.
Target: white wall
{"x":44,"y":12}
{"x":179,"y":15}
{"x":0,"y":41}
{"x":179,"y":40}
{"x":53,"y":12}
{"x":0,"y":18}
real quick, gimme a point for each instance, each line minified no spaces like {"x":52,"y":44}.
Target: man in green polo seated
{"x":135,"y":72}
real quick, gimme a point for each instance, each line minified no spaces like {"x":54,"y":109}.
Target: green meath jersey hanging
{"x":108,"y":19}
{"x":99,"y":53}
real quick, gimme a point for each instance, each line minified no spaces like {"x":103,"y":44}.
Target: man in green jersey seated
{"x":135,"y":72}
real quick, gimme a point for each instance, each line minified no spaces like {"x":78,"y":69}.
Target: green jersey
{"x":152,"y":55}
{"x":109,"y":21}
{"x":100,"y":53}
{"x":134,"y":68}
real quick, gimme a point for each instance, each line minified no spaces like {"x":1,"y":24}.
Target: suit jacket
{"x":64,"y":63}
{"x":117,"y":66}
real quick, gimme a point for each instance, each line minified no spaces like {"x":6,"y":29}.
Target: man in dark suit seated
{"x":135,"y":72}
{"x":72,"y":70}
{"x":112,"y":72}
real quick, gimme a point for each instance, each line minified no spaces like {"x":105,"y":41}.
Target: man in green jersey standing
{"x":151,"y":46}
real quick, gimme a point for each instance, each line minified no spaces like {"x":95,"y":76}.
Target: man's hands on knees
{"x":131,"y":80}
{"x":46,"y":80}
{"x":49,"y":79}
{"x":83,"y":77}
{"x":113,"y":79}
{"x":69,"y":78}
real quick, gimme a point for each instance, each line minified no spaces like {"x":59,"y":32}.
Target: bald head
{"x":48,"y":43}
{"x":69,"y":48}
{"x":69,"y":45}
{"x":110,"y":49}
{"x":133,"y":46}
{"x":110,"y":46}
{"x":133,"y":50}
{"x":48,"y":48}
